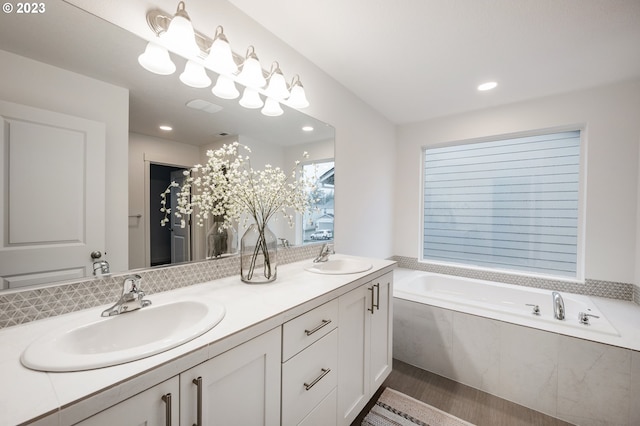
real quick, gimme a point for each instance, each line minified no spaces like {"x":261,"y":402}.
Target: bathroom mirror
{"x":72,"y":39}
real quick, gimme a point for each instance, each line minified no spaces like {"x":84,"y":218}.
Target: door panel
{"x":53,"y":183}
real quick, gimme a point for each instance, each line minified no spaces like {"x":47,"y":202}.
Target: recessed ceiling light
{"x":307,"y":129}
{"x":487,"y":86}
{"x":166,"y":128}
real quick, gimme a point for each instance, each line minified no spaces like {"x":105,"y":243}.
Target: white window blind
{"x":508,"y":204}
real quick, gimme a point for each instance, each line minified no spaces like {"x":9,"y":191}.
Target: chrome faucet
{"x":325,"y":251}
{"x":131,"y":299}
{"x":558,"y":306}
{"x":101,"y":266}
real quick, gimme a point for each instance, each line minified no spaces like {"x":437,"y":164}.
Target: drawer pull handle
{"x":371,"y":309}
{"x":324,"y":323}
{"x":167,"y":410}
{"x":325,"y":371}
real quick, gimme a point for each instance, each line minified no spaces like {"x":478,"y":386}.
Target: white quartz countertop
{"x":65,"y":398}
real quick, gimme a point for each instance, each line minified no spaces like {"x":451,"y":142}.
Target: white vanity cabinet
{"x":238,"y":387}
{"x":364,"y":344}
{"x":158,"y":405}
{"x":310,"y":367}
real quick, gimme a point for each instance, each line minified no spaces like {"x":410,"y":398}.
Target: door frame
{"x":162,"y":160}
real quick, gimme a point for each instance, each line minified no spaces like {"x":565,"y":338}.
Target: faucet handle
{"x":536,"y":308}
{"x":583,"y":317}
{"x":131,"y":284}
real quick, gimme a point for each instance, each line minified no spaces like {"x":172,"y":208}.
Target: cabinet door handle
{"x":198,"y":383}
{"x":318,"y":327}
{"x":167,"y":409}
{"x":372,"y":304}
{"x":324,"y":372}
{"x":377,"y":304}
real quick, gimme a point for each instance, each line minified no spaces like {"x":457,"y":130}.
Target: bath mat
{"x":397,"y":409}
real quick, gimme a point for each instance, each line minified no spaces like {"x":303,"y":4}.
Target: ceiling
{"x":413,"y":60}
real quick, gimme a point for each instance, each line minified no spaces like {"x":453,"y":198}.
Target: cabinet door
{"x":146,"y":408}
{"x":381,"y":331}
{"x":238,"y":387}
{"x":353,"y":353}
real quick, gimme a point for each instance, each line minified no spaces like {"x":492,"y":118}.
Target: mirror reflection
{"x":97,"y":49}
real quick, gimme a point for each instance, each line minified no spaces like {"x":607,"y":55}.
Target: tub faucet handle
{"x":583,"y":317}
{"x":536,"y":308}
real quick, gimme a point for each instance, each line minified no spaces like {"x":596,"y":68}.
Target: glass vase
{"x":258,"y":255}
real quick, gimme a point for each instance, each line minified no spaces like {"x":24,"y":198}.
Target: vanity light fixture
{"x":307,"y":129}
{"x":277,"y":87}
{"x":225,"y":88}
{"x":298,"y":98}
{"x":180,"y":36}
{"x":251,"y":73}
{"x":157,"y":60}
{"x":251,"y":99}
{"x":272,"y":108}
{"x":194,"y":75}
{"x":165,"y":128}
{"x":176,"y":34}
{"x":487,"y":86}
{"x":220,"y":57}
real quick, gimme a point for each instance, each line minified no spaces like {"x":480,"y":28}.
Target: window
{"x":318,"y":220}
{"x":507,"y":204}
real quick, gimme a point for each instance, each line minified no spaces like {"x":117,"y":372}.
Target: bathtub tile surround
{"x":594,"y":382}
{"x":476,"y":349}
{"x":412,"y":320}
{"x":609,"y":289}
{"x":528,"y":371}
{"x":576,"y":380}
{"x":22,"y":306}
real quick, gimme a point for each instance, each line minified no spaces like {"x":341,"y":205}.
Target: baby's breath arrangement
{"x":227,"y":186}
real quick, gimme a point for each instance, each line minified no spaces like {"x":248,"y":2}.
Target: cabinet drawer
{"x":302,"y":331}
{"x":308,"y":378}
{"x":325,"y":413}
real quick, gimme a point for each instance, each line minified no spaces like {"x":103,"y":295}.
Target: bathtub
{"x":502,"y":302}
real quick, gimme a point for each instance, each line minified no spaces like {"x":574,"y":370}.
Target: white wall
{"x":142,"y":150}
{"x":36,"y":84}
{"x":611,"y":116}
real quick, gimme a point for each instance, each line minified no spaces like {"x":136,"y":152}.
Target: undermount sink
{"x":340,"y":266}
{"x":123,"y":338}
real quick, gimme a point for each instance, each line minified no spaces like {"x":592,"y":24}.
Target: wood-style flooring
{"x":475,"y":406}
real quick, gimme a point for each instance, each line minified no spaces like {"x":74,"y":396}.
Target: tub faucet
{"x":558,"y":306}
{"x":131,"y":299}
{"x":325,"y":252}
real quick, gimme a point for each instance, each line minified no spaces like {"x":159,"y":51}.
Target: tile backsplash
{"x":609,"y":289}
{"x":26,"y":305}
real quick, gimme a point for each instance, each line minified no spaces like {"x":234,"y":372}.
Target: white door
{"x":180,"y":242}
{"x":53,"y":183}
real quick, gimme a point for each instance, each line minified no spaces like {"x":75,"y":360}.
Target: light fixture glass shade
{"x":220,"y":58}
{"x":194,"y":75}
{"x":225,"y":88}
{"x":298,"y":98}
{"x":277,"y":88}
{"x":156,"y":59}
{"x":251,"y":74}
{"x":272,"y":108}
{"x":251,"y":99}
{"x":180,"y":36}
